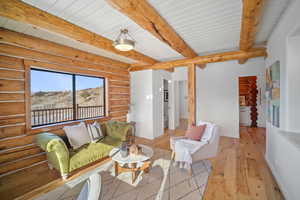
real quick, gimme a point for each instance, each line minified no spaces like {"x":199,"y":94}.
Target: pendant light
{"x":124,"y":41}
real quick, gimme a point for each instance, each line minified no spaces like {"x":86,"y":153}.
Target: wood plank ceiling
{"x":206,"y":26}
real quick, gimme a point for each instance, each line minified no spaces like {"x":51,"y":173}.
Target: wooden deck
{"x":239,"y":171}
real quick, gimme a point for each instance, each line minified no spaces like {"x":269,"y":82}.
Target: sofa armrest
{"x":173,"y":140}
{"x":57,"y":151}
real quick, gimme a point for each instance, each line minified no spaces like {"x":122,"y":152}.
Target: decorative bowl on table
{"x":134,"y":150}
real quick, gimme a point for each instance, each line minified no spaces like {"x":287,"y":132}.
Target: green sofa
{"x":66,"y":160}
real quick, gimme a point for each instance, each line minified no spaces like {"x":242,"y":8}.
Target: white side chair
{"x":209,"y":150}
{"x":91,"y":190}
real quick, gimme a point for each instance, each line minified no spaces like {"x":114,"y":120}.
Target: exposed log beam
{"x":30,"y":42}
{"x":192,"y":94}
{"x":142,"y":13}
{"x":10,"y":50}
{"x":218,"y":57}
{"x":19,"y":11}
{"x":252,"y":12}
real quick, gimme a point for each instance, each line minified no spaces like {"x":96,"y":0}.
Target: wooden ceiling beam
{"x":143,"y":14}
{"x":25,"y":13}
{"x":218,"y":57}
{"x":45,"y":46}
{"x":252,"y":12}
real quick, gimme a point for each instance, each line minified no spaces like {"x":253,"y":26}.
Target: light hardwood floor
{"x":239,"y":171}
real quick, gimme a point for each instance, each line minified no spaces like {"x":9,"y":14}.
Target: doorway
{"x":248,"y":101}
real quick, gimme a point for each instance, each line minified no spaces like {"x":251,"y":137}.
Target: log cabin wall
{"x":248,"y":89}
{"x":17,"y":148}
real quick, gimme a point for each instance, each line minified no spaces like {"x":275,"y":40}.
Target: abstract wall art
{"x":273,"y":93}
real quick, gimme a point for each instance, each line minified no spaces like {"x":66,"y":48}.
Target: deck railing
{"x":54,"y":115}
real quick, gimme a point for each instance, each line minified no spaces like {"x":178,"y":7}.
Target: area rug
{"x":162,"y":182}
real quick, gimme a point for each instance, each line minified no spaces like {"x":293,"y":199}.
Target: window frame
{"x":73,"y":97}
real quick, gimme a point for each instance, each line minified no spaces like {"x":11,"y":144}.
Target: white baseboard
{"x":278,"y":180}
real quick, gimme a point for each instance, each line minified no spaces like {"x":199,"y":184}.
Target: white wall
{"x":293,"y":82}
{"x":217,"y":93}
{"x":281,"y":154}
{"x":183,"y":110}
{"x":147,"y":101}
{"x":142,"y":102}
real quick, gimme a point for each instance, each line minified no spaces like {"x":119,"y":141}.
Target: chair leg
{"x":190,"y":171}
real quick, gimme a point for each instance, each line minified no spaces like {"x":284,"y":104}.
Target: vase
{"x":124,"y":150}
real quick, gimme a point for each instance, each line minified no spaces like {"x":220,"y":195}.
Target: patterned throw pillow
{"x":95,"y":132}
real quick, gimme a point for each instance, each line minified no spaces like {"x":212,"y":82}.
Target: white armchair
{"x":91,"y":190}
{"x":208,"y":146}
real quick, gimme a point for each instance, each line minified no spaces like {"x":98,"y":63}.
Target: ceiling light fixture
{"x":124,"y":41}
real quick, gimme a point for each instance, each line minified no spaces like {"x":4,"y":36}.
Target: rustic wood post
{"x":192,"y":94}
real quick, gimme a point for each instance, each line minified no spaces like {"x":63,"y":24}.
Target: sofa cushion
{"x":117,"y":130}
{"x":89,"y":153}
{"x":111,"y":141}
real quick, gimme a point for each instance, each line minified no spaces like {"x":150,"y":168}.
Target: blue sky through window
{"x":84,"y":82}
{"x":49,"y":81}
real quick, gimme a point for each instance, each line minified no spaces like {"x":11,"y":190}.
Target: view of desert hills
{"x":61,"y":99}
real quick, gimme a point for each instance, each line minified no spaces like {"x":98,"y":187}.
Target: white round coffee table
{"x":132,"y":163}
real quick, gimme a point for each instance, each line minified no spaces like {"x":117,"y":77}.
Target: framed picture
{"x":243,"y":101}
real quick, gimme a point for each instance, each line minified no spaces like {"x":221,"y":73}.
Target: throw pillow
{"x":208,"y":130}
{"x":77,"y":135}
{"x":117,"y":130}
{"x":195,"y":132}
{"x":95,"y":132}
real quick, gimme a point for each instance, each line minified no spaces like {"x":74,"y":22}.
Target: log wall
{"x":17,"y":148}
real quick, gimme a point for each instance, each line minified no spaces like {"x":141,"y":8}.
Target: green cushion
{"x":117,"y":130}
{"x":111,"y":141}
{"x":88,"y":154}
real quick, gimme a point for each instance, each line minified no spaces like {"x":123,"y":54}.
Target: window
{"x":60,"y":97}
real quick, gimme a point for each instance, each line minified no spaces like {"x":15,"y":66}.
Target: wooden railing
{"x":54,"y":115}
